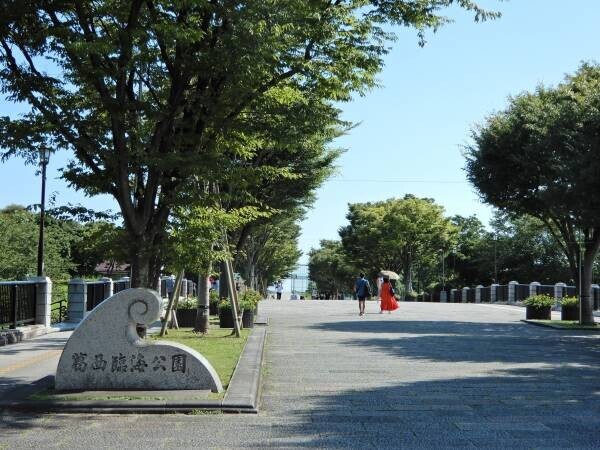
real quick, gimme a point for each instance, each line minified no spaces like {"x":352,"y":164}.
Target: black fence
{"x":97,"y":292}
{"x":471,"y":296}
{"x":121,"y":285}
{"x":17,"y":304}
{"x":58,"y":311}
{"x":502,"y":293}
{"x":457,"y":296}
{"x":569,"y":291}
{"x":521,"y":292}
{"x":545,"y":289}
{"x":486,"y":294}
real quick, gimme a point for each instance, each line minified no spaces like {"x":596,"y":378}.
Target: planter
{"x":543,"y":313}
{"x":186,"y":317}
{"x":213,"y":308}
{"x":225,"y":319}
{"x":569,"y":313}
{"x":248,"y":318}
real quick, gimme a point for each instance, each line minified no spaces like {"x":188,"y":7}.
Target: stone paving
{"x":426,"y":376}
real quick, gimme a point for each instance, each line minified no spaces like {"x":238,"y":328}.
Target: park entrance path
{"x":426,"y":376}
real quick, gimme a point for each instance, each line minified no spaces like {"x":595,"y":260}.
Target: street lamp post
{"x":45,"y":156}
{"x":495,"y":258}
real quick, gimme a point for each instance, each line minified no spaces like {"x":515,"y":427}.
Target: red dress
{"x":388,"y":301}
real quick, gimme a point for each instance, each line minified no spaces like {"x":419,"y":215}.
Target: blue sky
{"x":412,"y":127}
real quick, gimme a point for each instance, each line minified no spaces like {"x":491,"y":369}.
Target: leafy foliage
{"x":539,"y":301}
{"x":541,"y":157}
{"x":150,"y":94}
{"x":329,"y":268}
{"x":19,"y":231}
{"x":569,"y":302}
{"x":398,"y":235}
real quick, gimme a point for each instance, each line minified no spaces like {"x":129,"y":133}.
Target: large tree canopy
{"x":397,"y":234}
{"x":148,"y":93}
{"x":541,"y":156}
{"x":329,"y":268}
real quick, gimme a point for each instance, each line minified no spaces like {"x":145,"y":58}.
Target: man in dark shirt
{"x":362,"y":289}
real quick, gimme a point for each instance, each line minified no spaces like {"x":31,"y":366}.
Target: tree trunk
{"x":145,"y":259}
{"x":223,"y":281}
{"x":587,"y":301}
{"x":202,"y":315}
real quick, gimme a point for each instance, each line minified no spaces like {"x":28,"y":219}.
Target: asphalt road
{"x":425,"y":376}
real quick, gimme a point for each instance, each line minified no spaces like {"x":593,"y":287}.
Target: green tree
{"x":466,"y":255}
{"x":541,"y":157}
{"x":19,"y":231}
{"x":396,"y":234}
{"x":329,"y":268}
{"x":271,"y":251}
{"x":148,"y":93}
{"x":98,"y":242}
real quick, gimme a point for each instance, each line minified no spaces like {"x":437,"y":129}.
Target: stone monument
{"x":105,"y":351}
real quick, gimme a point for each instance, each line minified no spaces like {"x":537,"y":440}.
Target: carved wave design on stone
{"x":105,"y":351}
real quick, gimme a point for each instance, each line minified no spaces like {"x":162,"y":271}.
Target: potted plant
{"x":538,"y":307}
{"x":247,"y":307}
{"x":186,"y":312}
{"x":410,"y":297}
{"x":225,"y":317}
{"x":252,"y":298}
{"x":569,"y":308}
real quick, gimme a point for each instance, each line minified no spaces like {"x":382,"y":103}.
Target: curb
{"x":558,"y":327}
{"x":242,"y":396}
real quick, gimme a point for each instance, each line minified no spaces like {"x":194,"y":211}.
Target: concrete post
{"x":478,"y":293}
{"x":43,"y":301}
{"x":111,"y":285}
{"x":533,"y":288}
{"x":184,"y":288}
{"x":493,"y":293}
{"x":452,"y":295}
{"x":512,"y":294}
{"x":558,"y":293}
{"x":443,"y":297}
{"x":77,"y":295}
{"x":465,"y":293}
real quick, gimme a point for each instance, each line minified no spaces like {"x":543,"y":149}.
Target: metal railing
{"x":97,"y":292}
{"x":502,"y":293}
{"x":486,"y":294}
{"x":58,"y":311}
{"x":121,"y":285}
{"x":17,"y":303}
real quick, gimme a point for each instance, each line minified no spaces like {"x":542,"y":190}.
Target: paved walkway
{"x":427,"y":376}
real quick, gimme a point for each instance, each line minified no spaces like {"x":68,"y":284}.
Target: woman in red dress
{"x":388,"y":301}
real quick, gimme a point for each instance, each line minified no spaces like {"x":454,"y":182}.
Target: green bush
{"x":570,"y":302}
{"x":214,"y":297}
{"x":250,"y":298}
{"x":225,"y":305}
{"x":187,"y":303}
{"x":539,"y":301}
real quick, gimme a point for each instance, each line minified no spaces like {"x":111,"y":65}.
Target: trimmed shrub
{"x":539,"y":301}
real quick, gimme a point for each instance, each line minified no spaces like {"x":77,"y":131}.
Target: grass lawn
{"x":220,"y":348}
{"x":566,"y":324}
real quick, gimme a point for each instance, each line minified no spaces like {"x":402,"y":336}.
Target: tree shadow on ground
{"x":549,"y":398}
{"x":468,"y":341}
{"x":552,"y":407}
